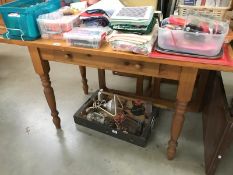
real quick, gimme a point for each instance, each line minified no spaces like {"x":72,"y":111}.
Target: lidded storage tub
{"x":85,"y":37}
{"x":54,"y":24}
{"x":207,"y":41}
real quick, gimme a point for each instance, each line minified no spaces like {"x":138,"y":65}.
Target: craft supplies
{"x":133,"y":15}
{"x":193,"y":35}
{"x":95,"y":17}
{"x":53,"y":25}
{"x":141,"y":44}
{"x":135,"y":29}
{"x":86,"y":37}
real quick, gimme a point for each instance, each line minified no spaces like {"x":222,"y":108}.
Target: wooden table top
{"x":106,"y":51}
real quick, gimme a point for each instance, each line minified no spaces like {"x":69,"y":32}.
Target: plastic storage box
{"x":85,"y":37}
{"x":56,"y":23}
{"x":193,"y":43}
{"x":20,"y":17}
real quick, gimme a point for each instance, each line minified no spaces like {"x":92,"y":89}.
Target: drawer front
{"x":115,"y":64}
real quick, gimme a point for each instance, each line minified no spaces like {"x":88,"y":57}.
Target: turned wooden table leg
{"x":84,"y":78}
{"x":184,"y":95}
{"x":49,"y":95}
{"x":42,"y":69}
{"x":102,"y":80}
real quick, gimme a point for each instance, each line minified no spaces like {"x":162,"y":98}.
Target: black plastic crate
{"x":140,"y":140}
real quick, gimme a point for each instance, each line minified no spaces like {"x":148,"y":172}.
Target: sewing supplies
{"x":192,"y":35}
{"x":54,"y":25}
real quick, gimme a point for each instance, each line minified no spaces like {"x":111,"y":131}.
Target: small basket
{"x":217,"y":12}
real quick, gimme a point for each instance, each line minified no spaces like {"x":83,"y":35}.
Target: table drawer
{"x":115,"y":64}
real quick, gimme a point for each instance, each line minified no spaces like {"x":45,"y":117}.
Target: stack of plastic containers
{"x":53,"y":25}
{"x":85,"y":37}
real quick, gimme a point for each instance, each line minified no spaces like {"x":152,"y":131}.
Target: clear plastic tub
{"x":56,"y":22}
{"x":85,"y":37}
{"x":195,"y":43}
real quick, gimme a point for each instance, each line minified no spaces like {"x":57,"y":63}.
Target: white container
{"x":85,"y":37}
{"x":194,"y":43}
{"x":55,"y":22}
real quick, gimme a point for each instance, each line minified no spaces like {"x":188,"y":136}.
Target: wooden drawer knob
{"x":126,"y":63}
{"x":68,"y":56}
{"x":138,"y":66}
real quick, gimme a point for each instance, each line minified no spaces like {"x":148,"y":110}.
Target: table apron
{"x":115,"y":64}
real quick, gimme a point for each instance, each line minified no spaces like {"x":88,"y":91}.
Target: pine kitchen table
{"x":161,"y":66}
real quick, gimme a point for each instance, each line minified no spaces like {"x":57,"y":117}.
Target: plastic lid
{"x":85,"y":33}
{"x":57,"y":17}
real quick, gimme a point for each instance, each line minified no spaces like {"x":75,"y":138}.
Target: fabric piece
{"x":141,"y":44}
{"x":135,"y":29}
{"x":126,"y":46}
{"x":94,"y":19}
{"x":140,"y":16}
{"x":117,"y":35}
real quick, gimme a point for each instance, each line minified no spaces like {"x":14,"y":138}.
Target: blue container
{"x":20,"y":17}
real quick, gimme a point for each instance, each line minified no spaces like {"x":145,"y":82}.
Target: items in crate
{"x":20,"y":17}
{"x":131,"y":42}
{"x":53,"y":25}
{"x":94,"y":17}
{"x":86,"y":37}
{"x":192,"y":35}
{"x":120,"y":117}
